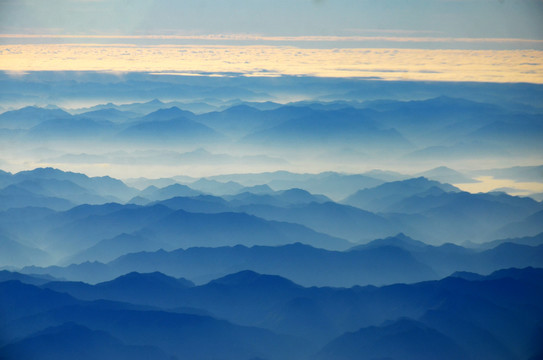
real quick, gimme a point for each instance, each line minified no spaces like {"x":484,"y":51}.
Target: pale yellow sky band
{"x":389,"y":64}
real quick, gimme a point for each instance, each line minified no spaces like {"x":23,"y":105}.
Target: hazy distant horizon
{"x":235,"y":108}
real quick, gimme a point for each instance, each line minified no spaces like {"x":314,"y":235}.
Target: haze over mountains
{"x":259,"y":125}
{"x":283,"y":218}
{"x":67,"y":214}
{"x":275,"y":274}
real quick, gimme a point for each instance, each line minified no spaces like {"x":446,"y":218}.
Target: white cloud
{"x":391,"y":64}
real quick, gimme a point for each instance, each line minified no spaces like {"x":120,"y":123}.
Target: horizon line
{"x":268,"y":38}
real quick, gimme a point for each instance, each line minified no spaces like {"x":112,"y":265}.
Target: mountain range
{"x":435,"y":129}
{"x":474,"y":319}
{"x":179,"y":216}
{"x":397,"y":259}
{"x":152,"y":216}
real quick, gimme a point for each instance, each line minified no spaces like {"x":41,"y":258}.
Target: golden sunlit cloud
{"x":488,"y":183}
{"x":388,"y":64}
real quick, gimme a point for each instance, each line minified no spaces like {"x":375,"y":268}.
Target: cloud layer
{"x":388,"y":64}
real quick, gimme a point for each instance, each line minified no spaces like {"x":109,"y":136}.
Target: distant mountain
{"x":301,"y":263}
{"x":14,"y":253}
{"x":31,"y":279}
{"x":153,"y":289}
{"x":5,"y":178}
{"x":13,"y":196}
{"x":136,"y":107}
{"x":385,"y":176}
{"x":167,"y":114}
{"x":195,"y":336}
{"x":527,"y":240}
{"x":257,"y":189}
{"x":139,"y":200}
{"x":502,"y":331}
{"x":198,"y":204}
{"x":15,"y":222}
{"x":184,"y":229}
{"x":62,"y":342}
{"x":65,"y":130}
{"x":83,"y":211}
{"x":142,"y":183}
{"x":403,"y":339}
{"x":400,"y":240}
{"x":517,"y":132}
{"x":18,"y":300}
{"x":262,"y":178}
{"x":436,"y":216}
{"x":331,"y":184}
{"x":508,"y":255}
{"x":448,"y":258}
{"x":384,"y":261}
{"x":153,"y":193}
{"x":278,"y":198}
{"x":177,"y":129}
{"x":136,"y":281}
{"x":446,"y":175}
{"x":423,"y":209}
{"x":109,"y":249}
{"x":177,"y":222}
{"x":63,"y":189}
{"x":530,"y":226}
{"x":260,"y":105}
{"x":235,"y":121}
{"x":537,"y":196}
{"x":441,"y":105}
{"x":82,"y":232}
{"x":490,"y":317}
{"x":151,"y":106}
{"x":382,"y":196}
{"x":348,"y":126}
{"x":215,"y":187}
{"x":461,"y":201}
{"x":197,"y":157}
{"x":462,"y":150}
{"x":339,"y":220}
{"x":30,"y":116}
{"x":528,"y":274}
{"x":336,"y":185}
{"x":437,"y":120}
{"x":109,"y":114}
{"x":103,"y":186}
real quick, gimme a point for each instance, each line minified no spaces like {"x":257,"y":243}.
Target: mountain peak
{"x":400,"y":240}
{"x":167,"y":114}
{"x":242,"y":277}
{"x":251,"y":278}
{"x":137,"y":279}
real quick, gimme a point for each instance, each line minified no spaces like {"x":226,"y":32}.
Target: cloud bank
{"x":388,"y":64}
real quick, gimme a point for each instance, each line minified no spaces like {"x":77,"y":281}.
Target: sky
{"x":459,"y":40}
{"x":520,"y":19}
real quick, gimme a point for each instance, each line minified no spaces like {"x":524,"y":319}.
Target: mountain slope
{"x":404,"y":339}
{"x":177,"y":129}
{"x":343,"y":221}
{"x":62,"y":342}
{"x":382,"y":196}
{"x":184,"y":229}
{"x":176,"y":334}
